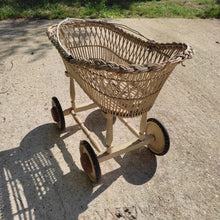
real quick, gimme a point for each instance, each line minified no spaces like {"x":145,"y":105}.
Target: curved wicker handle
{"x":131,"y":30}
{"x":179,"y":58}
{"x":58,"y":37}
{"x":122,"y":26}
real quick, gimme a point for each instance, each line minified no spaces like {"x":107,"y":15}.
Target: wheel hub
{"x":161,"y":143}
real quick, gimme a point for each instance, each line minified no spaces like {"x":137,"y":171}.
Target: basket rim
{"x":100,"y":64}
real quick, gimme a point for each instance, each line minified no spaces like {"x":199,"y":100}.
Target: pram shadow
{"x":33,"y":185}
{"x":96,"y":123}
{"x":137,"y":167}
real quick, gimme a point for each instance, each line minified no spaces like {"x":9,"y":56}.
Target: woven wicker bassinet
{"x":118,"y":68}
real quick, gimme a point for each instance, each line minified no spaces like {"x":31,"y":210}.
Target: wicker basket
{"x":117,"y":67}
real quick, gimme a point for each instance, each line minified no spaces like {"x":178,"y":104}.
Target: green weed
{"x":51,"y":9}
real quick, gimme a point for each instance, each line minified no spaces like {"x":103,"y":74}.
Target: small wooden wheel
{"x":89,"y":162}
{"x":57,"y":113}
{"x":161,"y":143}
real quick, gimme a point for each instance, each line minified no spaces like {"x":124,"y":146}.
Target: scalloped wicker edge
{"x":101,"y":64}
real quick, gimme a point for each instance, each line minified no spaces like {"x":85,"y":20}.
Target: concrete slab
{"x":41,"y":176}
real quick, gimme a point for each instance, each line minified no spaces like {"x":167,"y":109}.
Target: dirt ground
{"x":40,"y":172}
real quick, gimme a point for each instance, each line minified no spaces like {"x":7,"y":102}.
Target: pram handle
{"x":122,"y":26}
{"x":179,"y":58}
{"x":131,"y":30}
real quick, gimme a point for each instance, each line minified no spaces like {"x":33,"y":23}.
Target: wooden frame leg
{"x":109,"y":132}
{"x":87,"y":132}
{"x":143,"y":125}
{"x":72,"y":96}
{"x":72,"y":93}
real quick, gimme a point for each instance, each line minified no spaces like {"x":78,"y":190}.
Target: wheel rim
{"x":160,"y":145}
{"x":57,"y":113}
{"x":89,"y":162}
{"x":88,"y":166}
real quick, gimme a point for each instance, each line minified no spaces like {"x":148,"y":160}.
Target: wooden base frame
{"x":108,"y":152}
{"x":151,"y":134}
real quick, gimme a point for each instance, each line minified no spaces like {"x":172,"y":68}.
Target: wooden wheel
{"x":89,"y":162}
{"x":161,"y":143}
{"x":57,"y":113}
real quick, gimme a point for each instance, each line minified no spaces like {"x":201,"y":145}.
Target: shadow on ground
{"x":24,"y":37}
{"x":32,"y":184}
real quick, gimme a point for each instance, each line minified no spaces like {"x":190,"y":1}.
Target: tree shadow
{"x":33,"y":185}
{"x":24,"y":38}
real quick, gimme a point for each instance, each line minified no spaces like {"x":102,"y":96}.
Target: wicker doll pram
{"x":118,"y":68}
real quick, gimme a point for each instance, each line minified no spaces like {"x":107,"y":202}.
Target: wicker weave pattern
{"x":121,"y":73}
